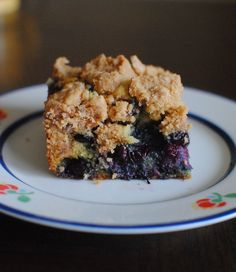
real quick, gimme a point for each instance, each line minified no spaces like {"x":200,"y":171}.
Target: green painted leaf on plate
{"x":24,"y":198}
{"x":233,"y":195}
{"x":11,"y":191}
{"x":216,"y":200}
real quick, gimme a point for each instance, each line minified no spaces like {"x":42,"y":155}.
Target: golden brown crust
{"x":137,"y":65}
{"x":98,"y":113}
{"x":121,"y":112}
{"x":142,"y":69}
{"x":107,"y":73}
{"x":58,"y":145}
{"x":75,"y":109}
{"x":62,"y":69}
{"x":175,"y":120}
{"x":158,"y":93}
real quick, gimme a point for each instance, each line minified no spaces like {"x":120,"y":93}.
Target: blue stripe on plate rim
{"x":30,"y":216}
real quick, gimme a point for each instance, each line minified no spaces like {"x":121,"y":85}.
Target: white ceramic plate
{"x":28,"y":191}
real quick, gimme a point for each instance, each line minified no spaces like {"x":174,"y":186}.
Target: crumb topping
{"x":141,"y":68}
{"x":75,"y":109}
{"x":137,"y":65}
{"x":155,"y":70}
{"x":110,"y":99}
{"x":111,"y":135}
{"x":175,"y":120}
{"x":157,"y":93}
{"x":121,"y":111}
{"x":107,"y":73}
{"x":62,"y":69}
{"x":73,"y":94}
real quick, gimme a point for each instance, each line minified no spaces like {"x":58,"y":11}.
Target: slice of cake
{"x":115,"y":118}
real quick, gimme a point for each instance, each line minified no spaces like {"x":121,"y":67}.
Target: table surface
{"x":197,"y":40}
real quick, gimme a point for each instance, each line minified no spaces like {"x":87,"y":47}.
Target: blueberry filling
{"x":174,"y":161}
{"x":150,"y":161}
{"x":148,"y":133}
{"x":74,"y":168}
{"x":136,"y":108}
{"x":181,"y":138}
{"x":128,"y":162}
{"x":89,"y":86}
{"x":54,"y":86}
{"x":155,"y":156}
{"x":84,"y":138}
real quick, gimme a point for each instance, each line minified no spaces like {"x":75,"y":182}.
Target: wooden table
{"x":197,"y":40}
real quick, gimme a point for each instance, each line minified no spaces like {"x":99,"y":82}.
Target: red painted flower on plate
{"x":207,"y":203}
{"x":4,"y":187}
{"x":3,"y":114}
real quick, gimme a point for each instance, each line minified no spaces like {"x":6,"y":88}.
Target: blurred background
{"x":196,"y":39}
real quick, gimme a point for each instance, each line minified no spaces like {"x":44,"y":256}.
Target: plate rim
{"x":121,"y":229}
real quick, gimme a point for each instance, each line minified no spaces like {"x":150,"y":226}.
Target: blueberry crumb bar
{"x":116,"y":118}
